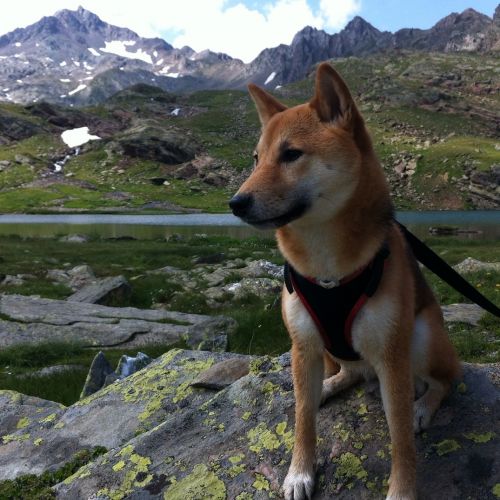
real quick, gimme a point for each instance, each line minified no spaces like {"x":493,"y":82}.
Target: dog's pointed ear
{"x":332,"y":99}
{"x":267,"y":105}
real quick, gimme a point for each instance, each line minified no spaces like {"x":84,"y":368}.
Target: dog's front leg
{"x":307,"y":367}
{"x":396,"y":384}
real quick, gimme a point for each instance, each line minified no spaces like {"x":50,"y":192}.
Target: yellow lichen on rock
{"x":200,"y":484}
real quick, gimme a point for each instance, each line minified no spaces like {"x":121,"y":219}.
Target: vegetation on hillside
{"x":433,"y":117}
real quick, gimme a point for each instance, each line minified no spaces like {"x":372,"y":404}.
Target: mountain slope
{"x":434,"y":119}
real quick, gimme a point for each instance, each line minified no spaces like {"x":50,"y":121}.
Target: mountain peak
{"x":359,"y":25}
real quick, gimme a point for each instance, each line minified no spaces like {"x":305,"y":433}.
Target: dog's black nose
{"x":240,"y":203}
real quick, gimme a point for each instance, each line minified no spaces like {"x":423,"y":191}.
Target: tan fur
{"x":399,"y":332}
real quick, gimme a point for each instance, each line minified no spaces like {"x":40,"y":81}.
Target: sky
{"x":242,"y":28}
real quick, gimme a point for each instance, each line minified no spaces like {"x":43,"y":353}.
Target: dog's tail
{"x":440,"y":268}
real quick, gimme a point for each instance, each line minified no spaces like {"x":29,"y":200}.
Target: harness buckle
{"x":328,"y":284}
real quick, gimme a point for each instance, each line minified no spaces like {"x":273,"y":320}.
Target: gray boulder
{"x":168,"y":439}
{"x":463,"y":313}
{"x":110,"y":290}
{"x":34,"y":320}
{"x":99,"y":370}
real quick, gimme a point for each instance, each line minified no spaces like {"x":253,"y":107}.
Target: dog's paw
{"x":298,"y":486}
{"x":422,"y":416}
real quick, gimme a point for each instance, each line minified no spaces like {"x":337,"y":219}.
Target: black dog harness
{"x":333,"y":307}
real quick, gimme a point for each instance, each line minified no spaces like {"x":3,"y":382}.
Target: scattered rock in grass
{"x":101,"y":374}
{"x":75,"y":278}
{"x":12,"y":280}
{"x":258,"y":268}
{"x":470,"y":265}
{"x":99,"y":370}
{"x":75,"y":238}
{"x":51,"y":370}
{"x":110,"y":290}
{"x":128,"y":364}
{"x":463,"y":313}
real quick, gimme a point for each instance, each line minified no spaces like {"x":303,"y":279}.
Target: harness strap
{"x":440,"y":268}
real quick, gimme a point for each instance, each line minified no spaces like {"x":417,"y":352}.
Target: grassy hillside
{"x":434,"y":119}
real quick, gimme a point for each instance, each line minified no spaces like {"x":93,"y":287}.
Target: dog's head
{"x":308,"y":158}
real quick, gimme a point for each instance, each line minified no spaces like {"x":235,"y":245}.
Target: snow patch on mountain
{"x":77,"y":136}
{"x":270,"y":78}
{"x":78,"y":89}
{"x":119,"y":48}
{"x":94,"y":52}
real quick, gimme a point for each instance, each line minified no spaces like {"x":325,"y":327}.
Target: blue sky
{"x":392,"y":15}
{"x":242,"y":28}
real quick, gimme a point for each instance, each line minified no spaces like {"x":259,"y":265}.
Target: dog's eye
{"x":290,"y":155}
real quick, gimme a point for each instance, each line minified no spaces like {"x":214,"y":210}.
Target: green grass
{"x":32,"y":487}
{"x":260,"y":328}
{"x":17,"y":364}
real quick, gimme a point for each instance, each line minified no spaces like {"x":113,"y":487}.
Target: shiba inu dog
{"x":318,"y":181}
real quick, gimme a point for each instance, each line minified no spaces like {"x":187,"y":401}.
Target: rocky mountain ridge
{"x":75,"y":58}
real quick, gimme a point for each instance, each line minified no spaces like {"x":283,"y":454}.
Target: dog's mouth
{"x":281,"y":220}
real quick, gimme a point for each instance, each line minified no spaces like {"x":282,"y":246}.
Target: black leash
{"x":440,"y":268}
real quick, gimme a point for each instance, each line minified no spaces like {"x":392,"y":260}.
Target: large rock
{"x":110,"y":290}
{"x":236,"y":443}
{"x":34,"y":320}
{"x":151,"y":141}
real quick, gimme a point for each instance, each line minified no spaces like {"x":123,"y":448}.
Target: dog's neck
{"x":349,"y":240}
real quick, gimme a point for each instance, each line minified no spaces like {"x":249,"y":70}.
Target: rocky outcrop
{"x":33,"y":320}
{"x":168,"y":439}
{"x":151,"y":141}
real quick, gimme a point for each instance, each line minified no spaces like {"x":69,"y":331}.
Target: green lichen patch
{"x":461,"y":388}
{"x":244,"y":496}
{"x":264,"y":364}
{"x":48,"y":419}
{"x":261,"y":483}
{"x":22,"y":423}
{"x":261,"y":438}
{"x":480,"y":438}
{"x":8,"y":438}
{"x":38,"y":441}
{"x":340,"y":432}
{"x":133,"y":470}
{"x":235,"y":470}
{"x":236,"y":459}
{"x":496,"y":490}
{"x":200,"y":484}
{"x":286,"y":436}
{"x":349,"y":467}
{"x":363,"y":409}
{"x":446,"y":446}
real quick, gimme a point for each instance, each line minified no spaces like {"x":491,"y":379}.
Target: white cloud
{"x":337,"y":14}
{"x":236,"y":29}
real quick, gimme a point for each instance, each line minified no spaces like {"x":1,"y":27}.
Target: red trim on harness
{"x":317,"y":322}
{"x":350,"y":319}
